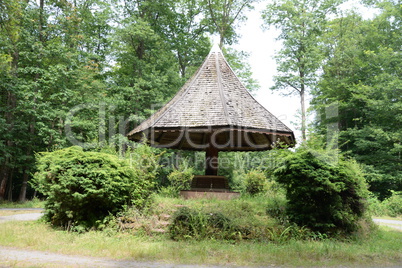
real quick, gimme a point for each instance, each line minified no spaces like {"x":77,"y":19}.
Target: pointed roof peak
{"x":213,"y":102}
{"x":215,"y":48}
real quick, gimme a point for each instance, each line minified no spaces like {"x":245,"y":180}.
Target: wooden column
{"x":211,"y":158}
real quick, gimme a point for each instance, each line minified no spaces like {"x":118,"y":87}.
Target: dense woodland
{"x":87,"y":71}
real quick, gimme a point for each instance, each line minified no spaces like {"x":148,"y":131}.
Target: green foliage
{"x":238,"y":60}
{"x":180,"y":179}
{"x":276,"y":208}
{"x":325,"y":191}
{"x":225,"y":15}
{"x":393,"y":204}
{"x":192,"y":224}
{"x":235,"y":220}
{"x":302,"y":23}
{"x":382,"y":184}
{"x":255,"y":182}
{"x":376,"y":207}
{"x":79,"y":72}
{"x":84,"y":188}
{"x":52,"y":66}
{"x":362,"y":76}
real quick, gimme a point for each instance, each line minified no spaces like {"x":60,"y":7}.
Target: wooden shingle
{"x":213,"y":107}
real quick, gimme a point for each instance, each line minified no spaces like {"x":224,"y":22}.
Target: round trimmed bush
{"x":84,"y":188}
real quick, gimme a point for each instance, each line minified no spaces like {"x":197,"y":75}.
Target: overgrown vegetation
{"x":86,"y":72}
{"x":244,"y":220}
{"x":325,"y":192}
{"x":179,"y":179}
{"x":52,"y":87}
{"x":193,"y":224}
{"x":359,"y":92}
{"x":255,"y":182}
{"x":380,"y":248}
{"x":391,"y":206}
{"x":83,"y":188}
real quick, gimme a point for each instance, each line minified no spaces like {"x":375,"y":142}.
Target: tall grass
{"x":381,"y":249}
{"x":34,"y":203}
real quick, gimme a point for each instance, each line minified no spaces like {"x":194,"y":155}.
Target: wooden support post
{"x":211,"y":157}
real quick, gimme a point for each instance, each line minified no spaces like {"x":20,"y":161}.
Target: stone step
{"x":163,"y":223}
{"x":164,"y":217}
{"x":158,"y":230}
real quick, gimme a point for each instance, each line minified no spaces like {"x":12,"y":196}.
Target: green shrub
{"x":325,"y":192}
{"x":237,"y":183}
{"x":180,"y":179}
{"x":376,"y":207}
{"x":233,"y":224}
{"x":276,"y":206}
{"x":168,"y":191}
{"x":196,"y":224}
{"x":255,"y":182}
{"x":84,"y":188}
{"x":393,"y":204}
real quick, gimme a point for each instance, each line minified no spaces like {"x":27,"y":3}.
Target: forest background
{"x":85,"y":72}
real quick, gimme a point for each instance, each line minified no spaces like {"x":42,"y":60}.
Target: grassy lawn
{"x":382,"y":248}
{"x":35,"y":203}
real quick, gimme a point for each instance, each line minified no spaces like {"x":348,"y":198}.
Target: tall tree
{"x":187,"y":34}
{"x":53,"y":65}
{"x":362,"y":73}
{"x":11,"y":13}
{"x":68,"y":69}
{"x":301,"y":24}
{"x":146,"y":72}
{"x":238,"y":60}
{"x":225,"y":16}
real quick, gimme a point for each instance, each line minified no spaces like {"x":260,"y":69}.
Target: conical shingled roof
{"x":213,"y":104}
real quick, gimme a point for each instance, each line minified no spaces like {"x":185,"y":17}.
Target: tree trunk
{"x":303,"y":113}
{"x":3,"y":180}
{"x":221,"y":40}
{"x":5,"y":169}
{"x":10,"y":187}
{"x":40,"y":28}
{"x":23,"y":190}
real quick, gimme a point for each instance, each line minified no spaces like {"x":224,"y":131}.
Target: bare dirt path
{"x":21,"y":217}
{"x":17,"y":214}
{"x":10,"y":257}
{"x":390,"y":223}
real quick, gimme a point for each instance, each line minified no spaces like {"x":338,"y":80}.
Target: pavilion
{"x":213,"y":112}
